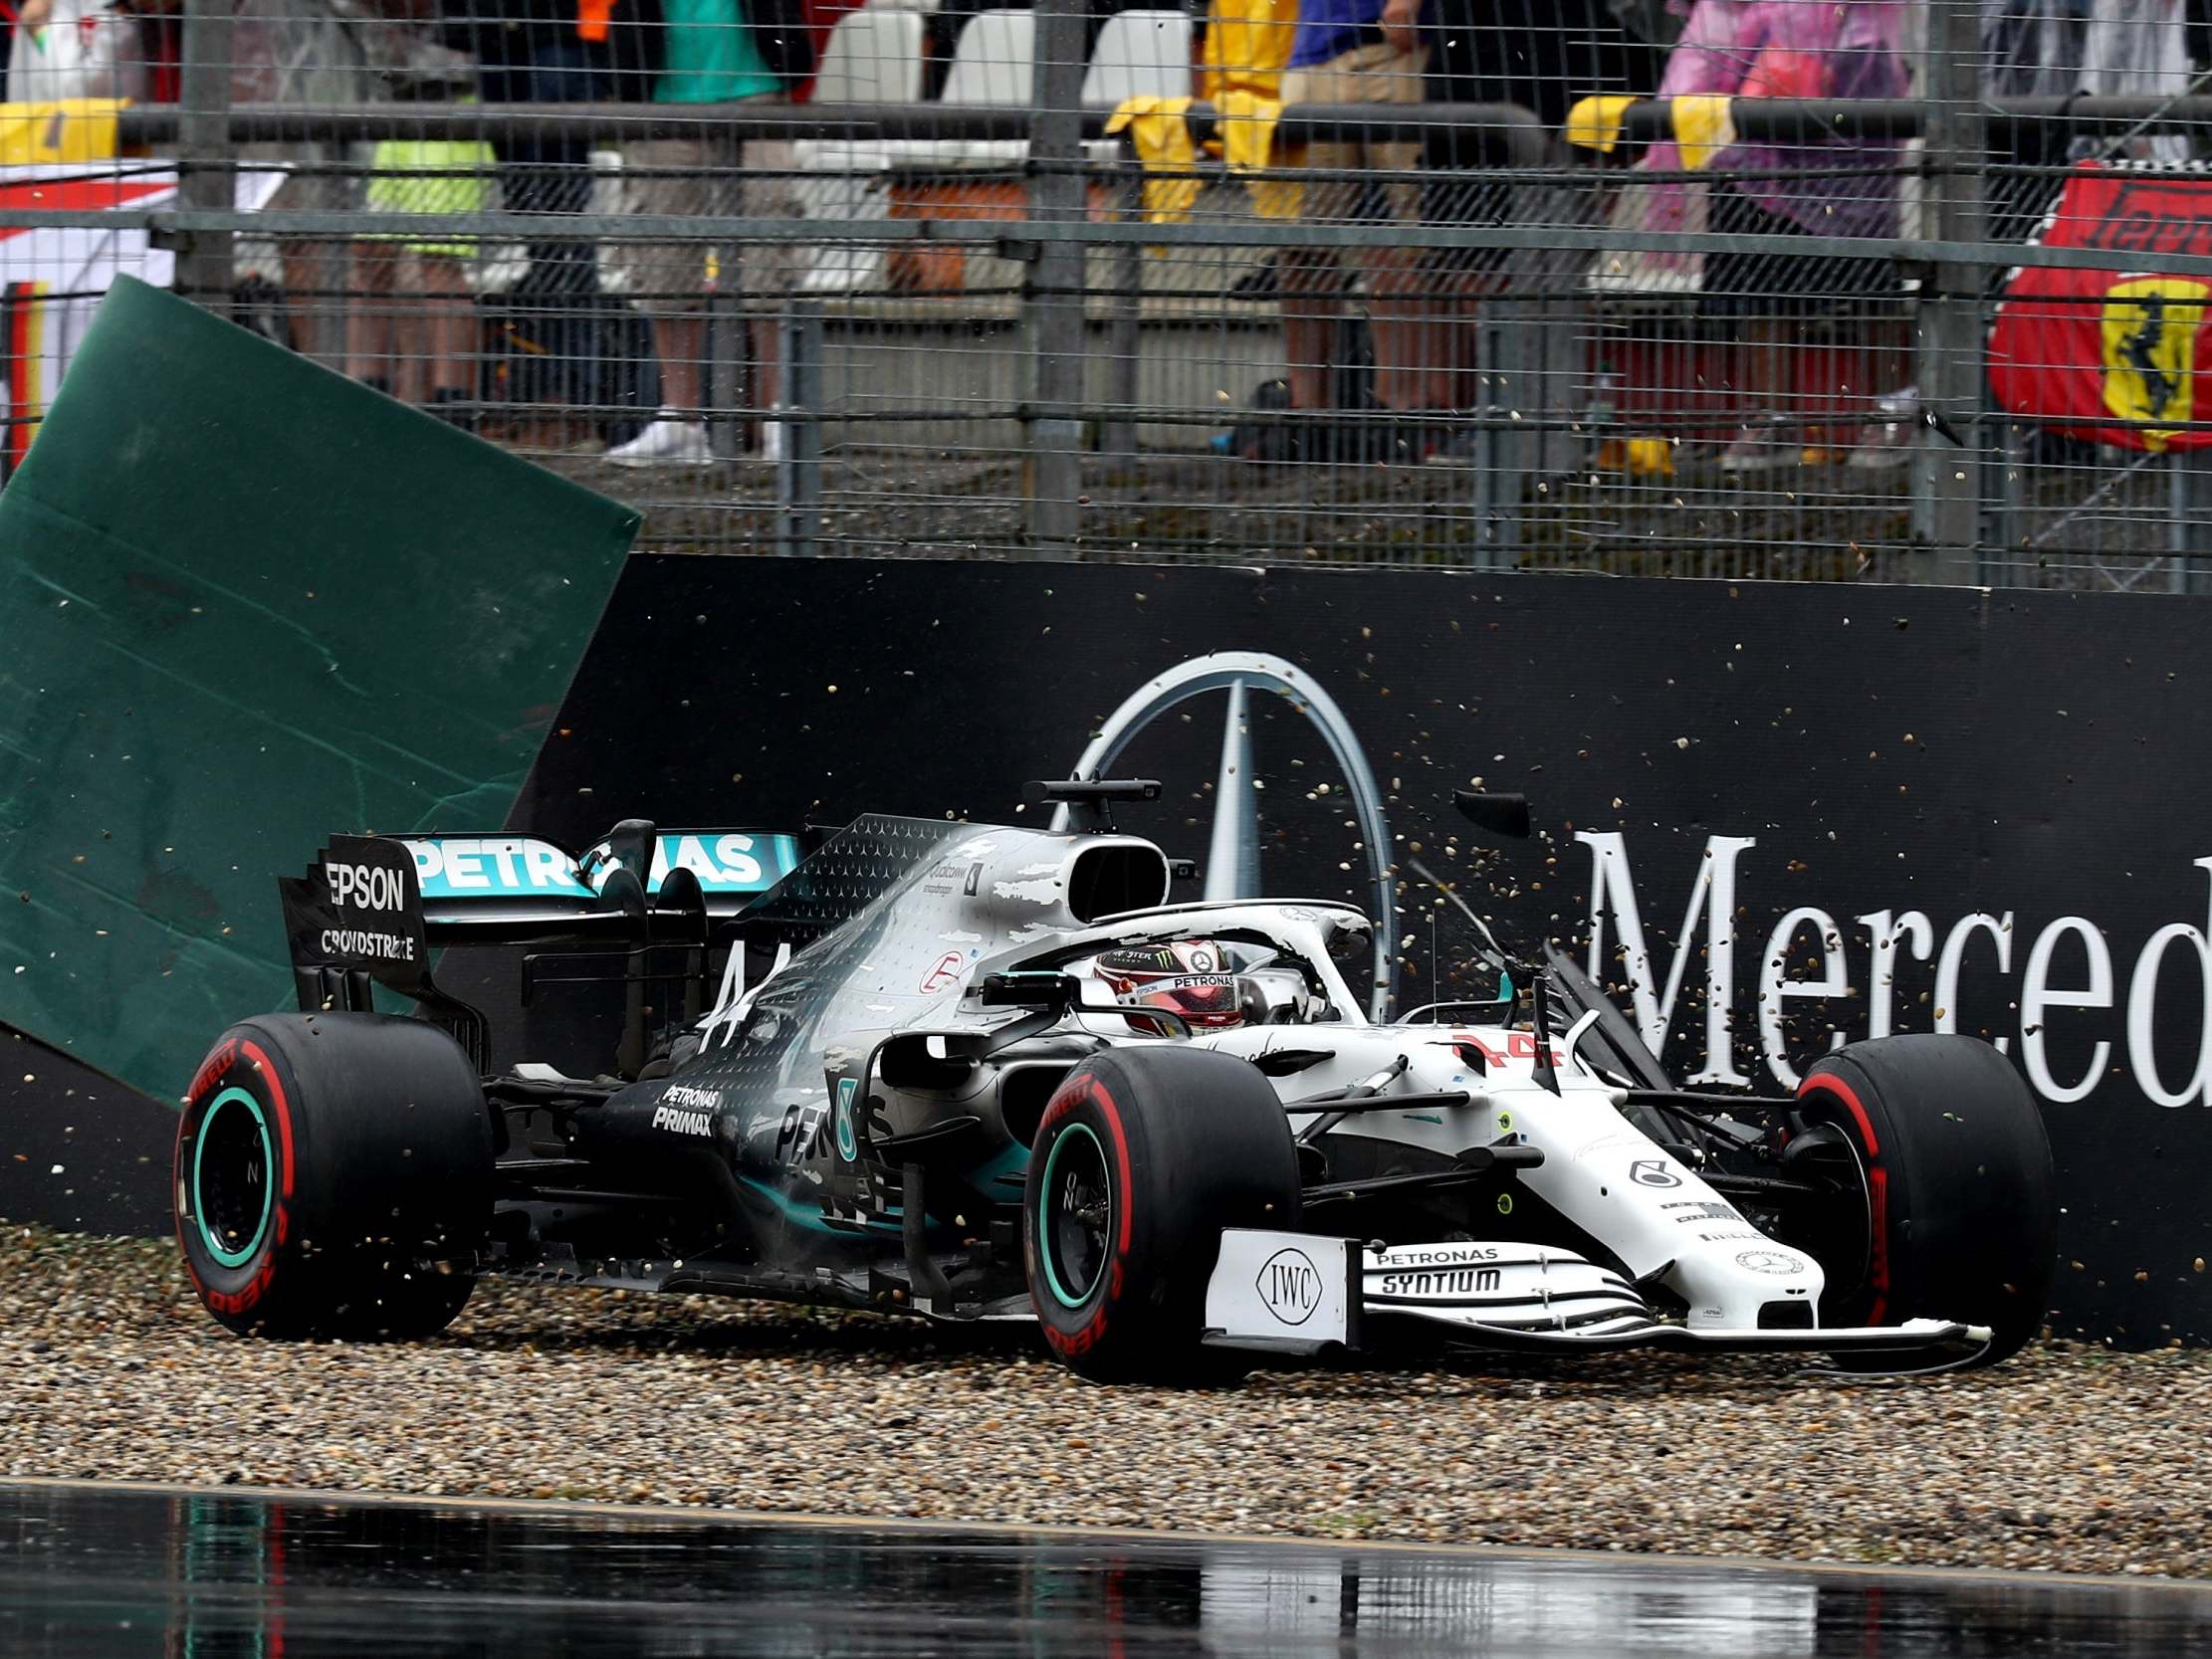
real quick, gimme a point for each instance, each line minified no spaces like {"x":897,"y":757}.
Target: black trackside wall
{"x":1820,"y":810}
{"x":1779,"y":815}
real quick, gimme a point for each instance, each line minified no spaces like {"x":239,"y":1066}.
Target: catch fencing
{"x":1823,"y":289}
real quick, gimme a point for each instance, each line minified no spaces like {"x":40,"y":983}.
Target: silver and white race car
{"x":994,"y":1073}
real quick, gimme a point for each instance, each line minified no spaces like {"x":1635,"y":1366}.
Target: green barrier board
{"x":245,"y":603}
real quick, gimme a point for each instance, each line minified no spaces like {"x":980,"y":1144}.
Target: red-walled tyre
{"x":1961,"y":1214}
{"x":334,"y":1177}
{"x":1142,"y":1157}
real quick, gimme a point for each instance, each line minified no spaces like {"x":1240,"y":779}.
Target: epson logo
{"x":682,"y":1123}
{"x":366,"y":887}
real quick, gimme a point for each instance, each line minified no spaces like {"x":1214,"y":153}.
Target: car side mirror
{"x":1026,"y":990}
{"x":1347,"y":941}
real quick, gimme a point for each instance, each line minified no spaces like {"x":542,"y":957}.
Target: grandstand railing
{"x":1035,"y":367}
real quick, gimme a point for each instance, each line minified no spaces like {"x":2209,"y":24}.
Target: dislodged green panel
{"x":247,"y":602}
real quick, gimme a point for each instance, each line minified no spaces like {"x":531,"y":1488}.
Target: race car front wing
{"x":1297,"y":1292}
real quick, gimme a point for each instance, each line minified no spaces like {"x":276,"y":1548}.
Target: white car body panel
{"x":1599,"y":1172}
{"x":1300,"y":1292}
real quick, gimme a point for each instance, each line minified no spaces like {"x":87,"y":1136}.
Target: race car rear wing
{"x":372,"y":909}
{"x":520,"y":884}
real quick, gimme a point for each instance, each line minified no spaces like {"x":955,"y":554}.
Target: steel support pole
{"x":798,"y":471}
{"x":1500,"y":471}
{"x":2189,"y":523}
{"x":728,"y":347}
{"x":1947,"y":475}
{"x":205,"y":174}
{"x":1051,"y":295}
{"x":1125,"y":329}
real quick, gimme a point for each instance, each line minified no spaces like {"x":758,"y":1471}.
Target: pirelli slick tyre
{"x":1961,"y":1203}
{"x":1142,"y":1156}
{"x":334,"y":1177}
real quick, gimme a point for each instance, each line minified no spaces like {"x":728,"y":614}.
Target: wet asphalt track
{"x":111,"y":1572}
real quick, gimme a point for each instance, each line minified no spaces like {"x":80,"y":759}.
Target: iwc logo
{"x":1290,"y":1284}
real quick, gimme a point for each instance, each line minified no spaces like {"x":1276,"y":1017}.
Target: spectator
{"x":1246,"y":45}
{"x":707,"y":56}
{"x":68,"y":48}
{"x":316,"y":52}
{"x":1358,"y":52}
{"x":1541,"y":55}
{"x":412,"y":328}
{"x":2048,"y":49}
{"x":551,"y":52}
{"x":2063,"y":49}
{"x":1842,"y":187}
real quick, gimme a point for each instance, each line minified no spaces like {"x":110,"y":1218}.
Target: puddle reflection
{"x":95,"y":1573}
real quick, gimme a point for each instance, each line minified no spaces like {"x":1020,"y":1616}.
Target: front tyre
{"x":1960,"y":1199}
{"x":334,"y":1176}
{"x":1143,"y":1155}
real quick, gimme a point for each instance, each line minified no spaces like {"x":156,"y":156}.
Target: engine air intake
{"x":1108,"y":880}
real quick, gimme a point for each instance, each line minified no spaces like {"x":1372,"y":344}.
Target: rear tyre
{"x":1961,"y":1203}
{"x":1142,"y":1157}
{"x":334,"y":1177}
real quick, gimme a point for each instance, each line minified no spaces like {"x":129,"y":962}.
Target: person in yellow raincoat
{"x":1248,"y":44}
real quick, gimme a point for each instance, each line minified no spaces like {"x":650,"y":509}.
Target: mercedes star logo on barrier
{"x":1232,"y":846}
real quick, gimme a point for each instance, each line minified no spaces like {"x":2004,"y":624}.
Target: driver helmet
{"x":1192,"y":977}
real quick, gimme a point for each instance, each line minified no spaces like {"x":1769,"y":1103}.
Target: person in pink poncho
{"x":1847,"y":187}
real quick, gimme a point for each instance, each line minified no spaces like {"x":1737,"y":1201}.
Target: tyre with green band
{"x":1142,"y":1156}
{"x":1076,"y":1220}
{"x":334,"y":1176}
{"x":233,"y":1167}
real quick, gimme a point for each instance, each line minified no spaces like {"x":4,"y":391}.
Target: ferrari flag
{"x":2113,"y":356}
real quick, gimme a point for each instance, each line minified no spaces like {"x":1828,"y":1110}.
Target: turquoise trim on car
{"x":1044,"y":1218}
{"x":245,"y":1252}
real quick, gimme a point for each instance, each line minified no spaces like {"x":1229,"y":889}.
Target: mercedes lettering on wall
{"x":986,"y":1073}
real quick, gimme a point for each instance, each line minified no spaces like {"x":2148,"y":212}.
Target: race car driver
{"x":1212,"y":985}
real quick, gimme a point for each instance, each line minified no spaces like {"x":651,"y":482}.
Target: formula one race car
{"x":990,"y":1073}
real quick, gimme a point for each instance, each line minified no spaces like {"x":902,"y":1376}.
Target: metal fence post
{"x":1051,"y":290}
{"x":1125,"y":324}
{"x":729,"y":349}
{"x":1946,"y":478}
{"x":205,"y":174}
{"x":1530,"y":368}
{"x":2189,"y":523}
{"x":2005,"y":512}
{"x":798,"y":469}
